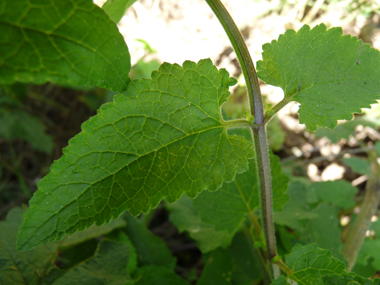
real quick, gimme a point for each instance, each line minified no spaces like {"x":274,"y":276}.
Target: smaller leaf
{"x":234,"y":265}
{"x":150,"y":249}
{"x":358,"y":165}
{"x":312,"y":265}
{"x":296,"y":209}
{"x":17,"y":124}
{"x":157,"y":275}
{"x":339,"y":192}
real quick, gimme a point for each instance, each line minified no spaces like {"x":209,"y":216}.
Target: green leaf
{"x":108,"y":266}
{"x":324,"y":72}
{"x":22,"y":267}
{"x":150,"y":249}
{"x":157,"y":275}
{"x":233,"y":265}
{"x":16,"y":124}
{"x":92,"y":232}
{"x":64,"y":42}
{"x":160,"y":139}
{"x":313,"y":266}
{"x":339,"y":192}
{"x":296,"y":209}
{"x":115,"y":9}
{"x":226,"y":208}
{"x":186,"y":218}
{"x":358,"y":165}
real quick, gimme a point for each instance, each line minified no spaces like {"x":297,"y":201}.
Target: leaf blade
{"x":160,"y":139}
{"x":61,"y":42}
{"x":321,"y":69}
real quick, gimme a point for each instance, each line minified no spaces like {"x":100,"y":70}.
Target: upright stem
{"x":265,"y":186}
{"x":257,"y":110}
{"x":244,"y":58}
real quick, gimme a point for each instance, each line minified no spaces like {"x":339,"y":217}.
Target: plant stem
{"x":257,"y":110}
{"x":245,"y":60}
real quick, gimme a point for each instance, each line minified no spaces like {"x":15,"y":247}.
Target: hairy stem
{"x":257,"y":110}
{"x":244,"y":58}
{"x":265,"y":186}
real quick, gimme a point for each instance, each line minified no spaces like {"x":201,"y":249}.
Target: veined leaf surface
{"x":160,"y":139}
{"x":330,"y":75}
{"x":61,"y":41}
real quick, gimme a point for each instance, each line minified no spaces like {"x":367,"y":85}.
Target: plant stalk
{"x":245,"y":60}
{"x":257,"y":110}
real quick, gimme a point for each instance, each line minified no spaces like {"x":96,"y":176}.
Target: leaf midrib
{"x":224,"y":126}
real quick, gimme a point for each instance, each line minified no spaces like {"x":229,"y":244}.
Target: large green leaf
{"x":226,"y":208}
{"x":331,"y":75}
{"x":61,"y":41}
{"x":160,"y":139}
{"x":314,"y":266}
{"x":186,"y":218}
